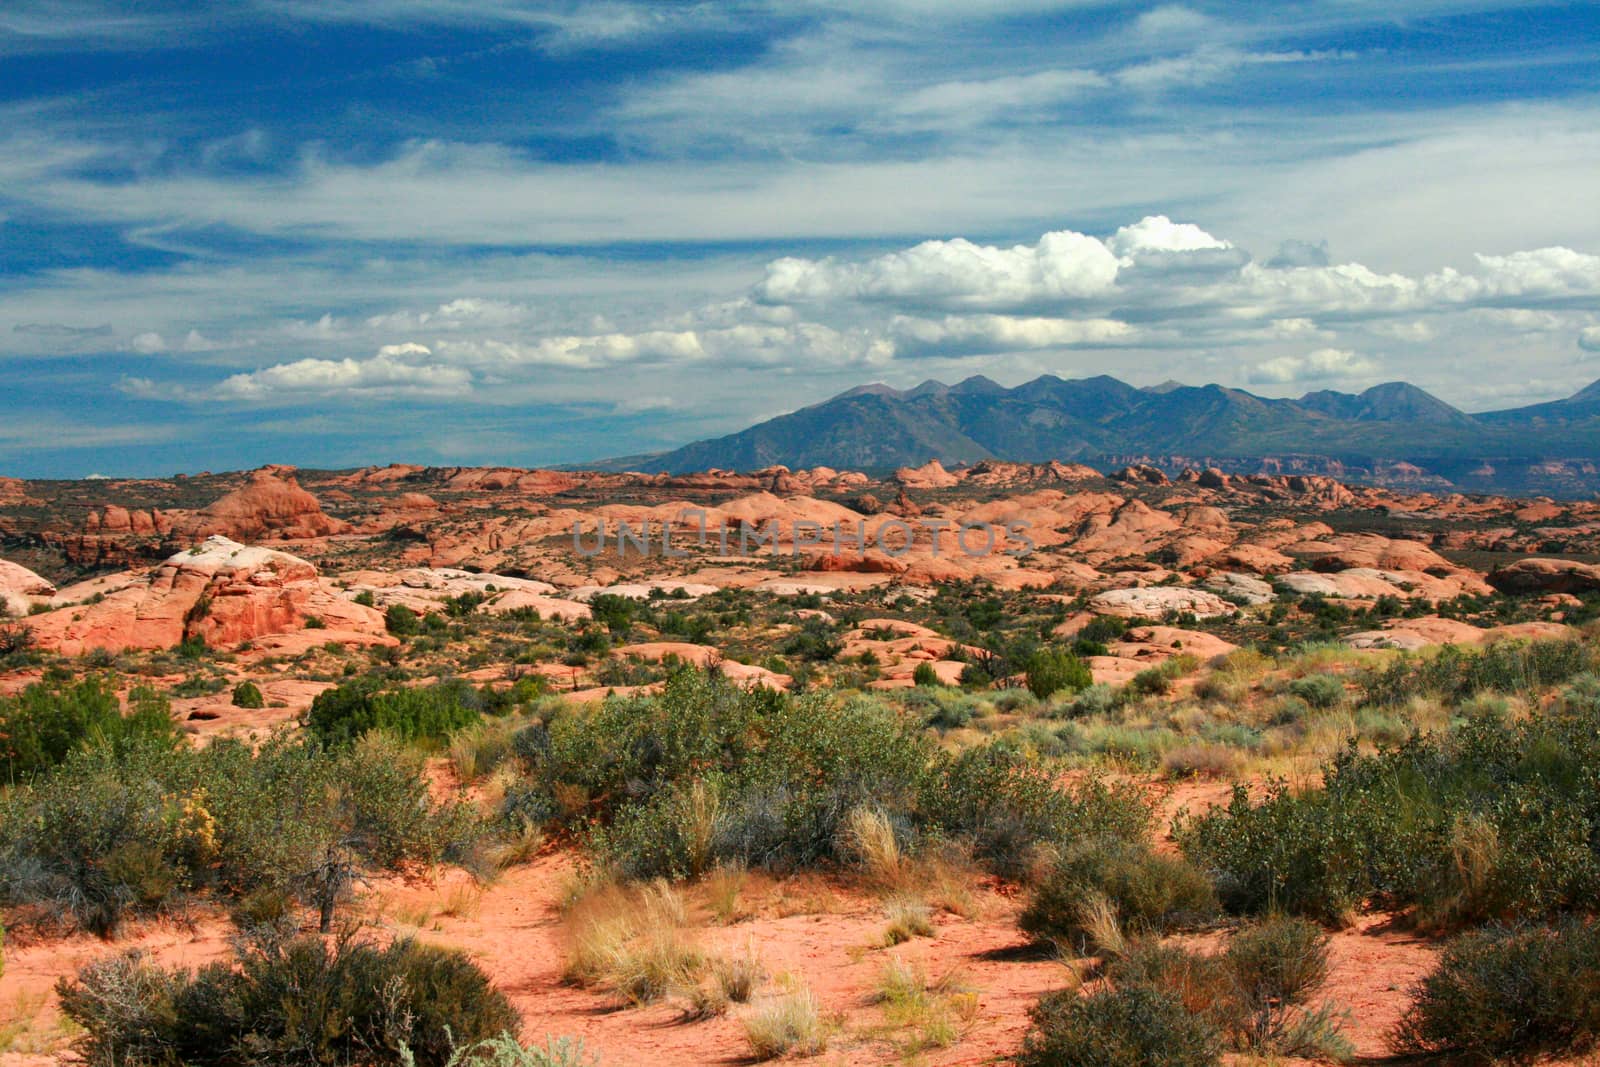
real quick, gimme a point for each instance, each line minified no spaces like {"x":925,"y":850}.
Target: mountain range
{"x":1394,"y":433}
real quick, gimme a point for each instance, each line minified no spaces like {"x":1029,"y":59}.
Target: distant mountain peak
{"x":976,"y":384}
{"x":1589,"y":394}
{"x":870,"y":389}
{"x":1389,"y":402}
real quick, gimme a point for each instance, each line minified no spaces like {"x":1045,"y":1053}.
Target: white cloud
{"x":1009,"y":98}
{"x":1157,"y":233}
{"x":1208,"y":65}
{"x":1063,"y":266}
{"x":1589,"y":338}
{"x":396,"y":369}
{"x":148,"y":343}
{"x":992,"y":333}
{"x":1325,"y":364}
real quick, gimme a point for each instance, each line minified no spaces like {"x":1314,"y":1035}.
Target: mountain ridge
{"x":1395,"y":426}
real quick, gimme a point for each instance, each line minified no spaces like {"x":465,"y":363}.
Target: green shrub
{"x":1054,"y":670}
{"x":506,"y":1051}
{"x":48,"y":721}
{"x":777,"y":775}
{"x":1492,"y":820}
{"x":112,"y":833}
{"x":1254,"y":994}
{"x":248,"y":695}
{"x":1454,"y":673}
{"x":400,"y":620}
{"x":1151,"y":893}
{"x":1134,"y":1027}
{"x":292,"y":1002}
{"x":432,"y":713}
{"x":1509,"y":994}
{"x":1279,"y":959}
{"x":1005,"y":806}
{"x":1317,"y":690}
{"x":925,"y":675}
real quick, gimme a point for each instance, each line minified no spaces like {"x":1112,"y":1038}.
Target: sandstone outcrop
{"x":221,"y":592}
{"x":271,"y":507}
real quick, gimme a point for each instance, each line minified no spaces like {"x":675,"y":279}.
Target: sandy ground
{"x":515,"y":930}
{"x":826,"y":934}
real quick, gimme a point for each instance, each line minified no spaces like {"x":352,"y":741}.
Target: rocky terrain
{"x":1199,"y":602}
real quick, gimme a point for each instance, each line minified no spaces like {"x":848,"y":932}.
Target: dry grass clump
{"x":908,"y":919}
{"x":732,"y":980}
{"x":724,"y":892}
{"x":633,"y":943}
{"x":870,"y":837}
{"x":479,"y":749}
{"x":793,"y":1024}
{"x":936,"y":1012}
{"x":1202,"y":759}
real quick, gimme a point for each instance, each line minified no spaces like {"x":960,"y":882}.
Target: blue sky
{"x":332,"y":233}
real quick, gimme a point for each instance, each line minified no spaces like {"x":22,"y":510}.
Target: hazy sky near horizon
{"x":331,"y":232}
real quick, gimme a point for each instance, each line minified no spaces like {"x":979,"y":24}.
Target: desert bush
{"x":339,"y":716}
{"x":1509,"y":994}
{"x":908,"y":919}
{"x":1151,"y":893}
{"x":299,"y":1001}
{"x":1489,"y":820}
{"x":1254,"y":994}
{"x":1279,"y":959}
{"x":1054,"y":670}
{"x":633,"y":942}
{"x":1096,"y":699}
{"x":1203,"y":760}
{"x":1005,"y":806}
{"x":248,"y":695}
{"x":48,"y":721}
{"x":401,"y":620}
{"x":112,"y":833}
{"x":1138,"y":1025}
{"x":925,"y":675}
{"x":1317,"y":690}
{"x":1455,"y":674}
{"x":872,"y":842}
{"x":708,"y":773}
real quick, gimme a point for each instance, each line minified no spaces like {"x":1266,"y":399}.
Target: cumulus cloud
{"x":1325,"y":364}
{"x":1063,"y":266}
{"x":1146,"y":290}
{"x":148,"y":343}
{"x":401,"y":369}
{"x":1589,"y":338}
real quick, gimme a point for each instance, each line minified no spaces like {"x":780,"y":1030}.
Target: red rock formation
{"x":272,"y":506}
{"x":20,"y":588}
{"x":931,"y":475}
{"x":222,"y":592}
{"x":1546,"y":576}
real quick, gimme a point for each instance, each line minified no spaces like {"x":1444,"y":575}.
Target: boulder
{"x":1155,"y":601}
{"x":20,"y":589}
{"x":221,"y":592}
{"x":1241,"y":587}
{"x":1546,"y":576}
{"x":272,"y":506}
